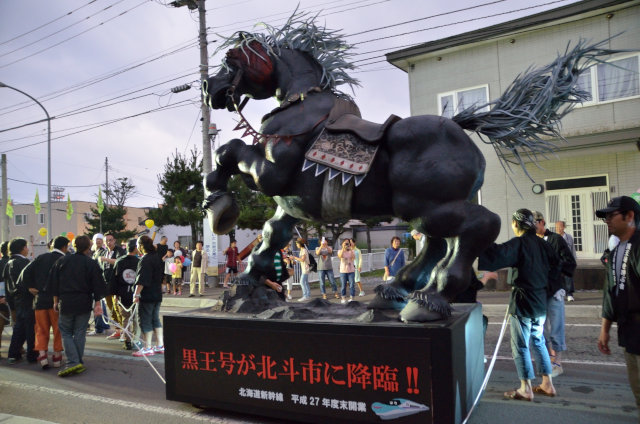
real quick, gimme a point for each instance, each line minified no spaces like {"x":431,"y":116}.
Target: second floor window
{"x":41,"y":218}
{"x":614,"y":80}
{"x":20,"y":219}
{"x":456,"y":101}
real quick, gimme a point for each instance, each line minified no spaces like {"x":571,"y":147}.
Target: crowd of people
{"x":59,"y":291}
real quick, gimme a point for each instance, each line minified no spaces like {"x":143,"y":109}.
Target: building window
{"x":456,"y":101}
{"x":41,"y":219}
{"x":20,"y":219}
{"x":611,"y":81}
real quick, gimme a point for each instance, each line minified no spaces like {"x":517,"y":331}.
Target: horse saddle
{"x":367,"y":131}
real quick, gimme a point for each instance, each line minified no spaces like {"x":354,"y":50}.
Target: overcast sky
{"x":108,"y":60}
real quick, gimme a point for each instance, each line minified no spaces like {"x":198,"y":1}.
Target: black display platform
{"x":327,"y":372}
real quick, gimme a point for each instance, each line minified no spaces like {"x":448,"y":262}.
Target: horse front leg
{"x":277,"y":232}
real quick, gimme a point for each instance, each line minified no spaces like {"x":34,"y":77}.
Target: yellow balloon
{"x":42,"y":231}
{"x":149,"y":223}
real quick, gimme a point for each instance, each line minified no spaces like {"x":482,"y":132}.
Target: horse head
{"x":247,"y":70}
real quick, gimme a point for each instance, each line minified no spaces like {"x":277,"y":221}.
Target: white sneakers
{"x":361,"y":293}
{"x":570,"y":298}
{"x":303,"y":299}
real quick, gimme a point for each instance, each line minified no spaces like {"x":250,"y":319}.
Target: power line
{"x":103,"y":77}
{"x":113,"y":121}
{"x":459,"y":22}
{"x":45,"y":184}
{"x":71,"y":38}
{"x":60,"y":30}
{"x":47,"y":23}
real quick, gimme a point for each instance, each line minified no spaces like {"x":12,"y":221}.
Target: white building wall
{"x":602,"y":138}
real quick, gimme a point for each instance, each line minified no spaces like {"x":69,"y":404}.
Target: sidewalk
{"x":14,"y":419}
{"x":587,"y":303}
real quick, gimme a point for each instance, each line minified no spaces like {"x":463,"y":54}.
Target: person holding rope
{"x":123,"y":283}
{"x":537,"y":264}
{"x":76,"y":283}
{"x":148,"y":295}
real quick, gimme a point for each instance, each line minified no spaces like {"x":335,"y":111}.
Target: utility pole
{"x":4,"y":219}
{"x":204,"y":73}
{"x":106,"y":181}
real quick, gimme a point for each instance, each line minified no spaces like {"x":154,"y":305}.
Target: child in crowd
{"x":168,"y":275}
{"x":177,"y":276}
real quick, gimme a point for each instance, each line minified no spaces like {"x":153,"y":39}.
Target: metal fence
{"x":370,"y":262}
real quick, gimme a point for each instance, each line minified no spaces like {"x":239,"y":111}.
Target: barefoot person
{"x":536,"y":263}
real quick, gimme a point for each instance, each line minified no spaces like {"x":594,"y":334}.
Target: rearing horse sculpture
{"x":424,"y":168}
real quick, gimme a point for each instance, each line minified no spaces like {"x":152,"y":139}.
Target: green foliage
{"x":255,"y":207}
{"x":180,"y":185}
{"x":112,"y":220}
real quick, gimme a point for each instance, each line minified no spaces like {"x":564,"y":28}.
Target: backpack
{"x":313,"y":265}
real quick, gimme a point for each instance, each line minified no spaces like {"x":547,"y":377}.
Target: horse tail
{"x":522,"y":123}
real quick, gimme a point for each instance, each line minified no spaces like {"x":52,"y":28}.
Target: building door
{"x":576,"y":206}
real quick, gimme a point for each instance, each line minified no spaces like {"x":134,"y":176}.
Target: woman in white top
{"x":347,"y":270}
{"x":304,"y":266}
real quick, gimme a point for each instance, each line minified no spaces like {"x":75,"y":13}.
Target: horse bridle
{"x":259,"y":137}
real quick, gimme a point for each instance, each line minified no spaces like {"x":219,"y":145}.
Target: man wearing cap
{"x":621,"y":293}
{"x":554,"y":325}
{"x":419,"y":238}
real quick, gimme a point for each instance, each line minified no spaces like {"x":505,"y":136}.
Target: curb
{"x":14,"y":419}
{"x":572,"y":311}
{"x":189,"y":302}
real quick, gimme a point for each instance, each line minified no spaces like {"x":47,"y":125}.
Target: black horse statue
{"x":424,"y":169}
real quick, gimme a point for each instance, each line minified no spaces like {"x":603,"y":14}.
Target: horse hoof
{"x":414,"y":312}
{"x":222,"y":211}
{"x":388,"y":297}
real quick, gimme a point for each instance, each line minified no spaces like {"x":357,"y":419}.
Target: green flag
{"x":36,"y":202}
{"x":100,"y":203}
{"x":69,"y":208}
{"x":9,"y":207}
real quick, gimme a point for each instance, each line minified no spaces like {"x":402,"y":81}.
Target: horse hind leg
{"x":452,"y":274}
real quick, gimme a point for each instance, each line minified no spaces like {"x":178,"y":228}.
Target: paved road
{"x":118,"y":388}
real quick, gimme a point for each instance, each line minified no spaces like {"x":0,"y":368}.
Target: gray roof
{"x":504,"y":28}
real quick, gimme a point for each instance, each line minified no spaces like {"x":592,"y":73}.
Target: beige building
{"x":601,"y":158}
{"x":26,"y":223}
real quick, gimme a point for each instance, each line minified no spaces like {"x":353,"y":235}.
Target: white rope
{"x":136,"y":341}
{"x":490,"y":369}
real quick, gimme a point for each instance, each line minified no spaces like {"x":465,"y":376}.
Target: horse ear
{"x":254,"y":60}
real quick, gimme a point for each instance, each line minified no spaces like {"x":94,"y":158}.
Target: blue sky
{"x":97,"y":67}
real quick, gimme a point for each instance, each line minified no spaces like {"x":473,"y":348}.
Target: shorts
{"x":167,"y":278}
{"x":232,"y":269}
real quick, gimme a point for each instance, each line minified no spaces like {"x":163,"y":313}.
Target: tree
{"x":119,"y":191}
{"x":374,"y":222}
{"x":181,"y":188}
{"x":112,"y":219}
{"x":255,"y":207}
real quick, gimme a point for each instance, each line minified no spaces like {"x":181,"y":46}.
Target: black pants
{"x":23,"y":330}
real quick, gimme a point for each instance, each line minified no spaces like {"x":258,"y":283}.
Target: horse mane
{"x":301,"y":33}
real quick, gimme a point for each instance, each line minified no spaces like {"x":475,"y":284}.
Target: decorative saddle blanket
{"x":342,"y":154}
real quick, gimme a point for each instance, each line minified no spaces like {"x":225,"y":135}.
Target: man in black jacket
{"x":7,"y":306}
{"x":36,"y":276}
{"x":76,"y":284}
{"x":123,"y":281}
{"x":554,"y":325}
{"x":23,"y":330}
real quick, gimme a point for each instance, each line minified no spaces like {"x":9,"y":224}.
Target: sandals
{"x":540,"y":391}
{"x":515,"y":395}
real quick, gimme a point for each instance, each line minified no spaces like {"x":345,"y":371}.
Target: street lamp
{"x":49,"y":222}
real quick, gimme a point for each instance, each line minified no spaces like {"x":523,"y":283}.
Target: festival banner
{"x":69,"y":208}
{"x":36,"y":202}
